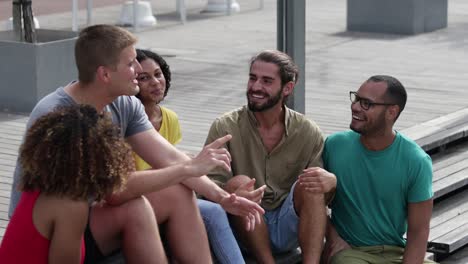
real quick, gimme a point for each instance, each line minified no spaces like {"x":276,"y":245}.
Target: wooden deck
{"x":12,"y":128}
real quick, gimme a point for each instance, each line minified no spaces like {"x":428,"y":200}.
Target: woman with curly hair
{"x":154,"y":81}
{"x":69,"y":156}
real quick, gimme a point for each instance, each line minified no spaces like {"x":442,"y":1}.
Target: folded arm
{"x":171,"y":166}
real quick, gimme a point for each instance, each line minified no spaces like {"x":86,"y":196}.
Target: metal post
{"x":291,"y":40}
{"x":182,"y":11}
{"x":135,"y":15}
{"x":18,"y":20}
{"x":28,"y":22}
{"x":75,"y":15}
{"x":89,"y":14}
{"x":228,"y":8}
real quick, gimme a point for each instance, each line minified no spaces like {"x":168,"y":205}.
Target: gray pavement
{"x":209,"y":56}
{"x":209,"y":59}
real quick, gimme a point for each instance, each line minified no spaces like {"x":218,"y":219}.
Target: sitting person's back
{"x":69,"y":156}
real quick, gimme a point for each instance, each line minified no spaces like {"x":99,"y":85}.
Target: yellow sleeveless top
{"x":170,"y":130}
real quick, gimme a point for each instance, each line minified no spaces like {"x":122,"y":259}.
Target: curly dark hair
{"x":75,"y":152}
{"x":143,"y":54}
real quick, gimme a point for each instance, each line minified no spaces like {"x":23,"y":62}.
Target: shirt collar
{"x":287,"y":118}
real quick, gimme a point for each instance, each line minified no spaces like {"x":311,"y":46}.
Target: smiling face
{"x":151,"y":81}
{"x":264,"y":89}
{"x":373,"y":120}
{"x":122,"y":77}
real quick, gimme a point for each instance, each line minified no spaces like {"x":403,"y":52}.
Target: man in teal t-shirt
{"x":384,"y":182}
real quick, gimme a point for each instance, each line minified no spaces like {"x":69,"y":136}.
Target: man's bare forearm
{"x":416,"y":246}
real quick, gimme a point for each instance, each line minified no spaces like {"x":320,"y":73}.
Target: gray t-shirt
{"x":127,"y":112}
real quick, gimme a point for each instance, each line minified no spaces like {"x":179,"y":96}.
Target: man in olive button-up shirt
{"x":276,"y":148}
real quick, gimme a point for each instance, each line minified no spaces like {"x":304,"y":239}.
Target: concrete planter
{"x":31,"y":71}
{"x":396,"y":16}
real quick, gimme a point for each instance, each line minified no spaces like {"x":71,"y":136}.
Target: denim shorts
{"x":283,"y":225}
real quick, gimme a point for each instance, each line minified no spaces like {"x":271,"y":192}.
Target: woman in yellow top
{"x":154,"y":81}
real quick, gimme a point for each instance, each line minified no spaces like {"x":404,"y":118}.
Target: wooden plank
{"x":4,"y":216}
{"x":11,"y":130}
{"x":5,"y":186}
{"x":452,"y":240}
{"x":443,"y":137}
{"x":7,"y":163}
{"x":448,"y":224}
{"x":4,"y":200}
{"x":5,"y":168}
{"x":440,"y":131}
{"x":5,"y":193}
{"x":11,"y":137}
{"x":6,"y":174}
{"x":8,"y":157}
{"x":438,"y":234}
{"x":10,"y":151}
{"x":449,"y":157}
{"x":458,"y":257}
{"x":449,"y":208}
{"x":7,"y":141}
{"x":448,"y":184}
{"x":4,"y":207}
{"x":450,"y":170}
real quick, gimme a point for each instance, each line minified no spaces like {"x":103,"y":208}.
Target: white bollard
{"x":222,"y":6}
{"x":145,"y":17}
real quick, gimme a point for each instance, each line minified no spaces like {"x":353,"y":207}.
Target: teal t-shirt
{"x":375,"y":187}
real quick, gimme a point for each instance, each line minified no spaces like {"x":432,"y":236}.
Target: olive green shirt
{"x":300,"y":148}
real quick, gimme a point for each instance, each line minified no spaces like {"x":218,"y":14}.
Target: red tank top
{"x":22,"y":243}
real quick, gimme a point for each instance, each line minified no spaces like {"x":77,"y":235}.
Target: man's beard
{"x":372,"y":128}
{"x":272,"y":101}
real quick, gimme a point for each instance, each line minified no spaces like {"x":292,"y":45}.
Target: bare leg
{"x":176,"y":207}
{"x":312,"y":223}
{"x":130,"y":226}
{"x":256,"y":241}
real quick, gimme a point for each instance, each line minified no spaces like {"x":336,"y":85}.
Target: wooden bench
{"x":446,"y":139}
{"x":449,"y":223}
{"x":439,"y":132}
{"x":450,"y":170}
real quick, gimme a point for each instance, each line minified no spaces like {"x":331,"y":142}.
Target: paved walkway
{"x":209,"y":59}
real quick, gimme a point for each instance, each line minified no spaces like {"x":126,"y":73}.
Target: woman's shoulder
{"x":168,"y":112}
{"x":67,"y":207}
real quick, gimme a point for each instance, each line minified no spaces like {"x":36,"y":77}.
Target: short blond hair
{"x":100,"y":45}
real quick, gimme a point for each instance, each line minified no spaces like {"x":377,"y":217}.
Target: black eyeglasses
{"x":364,"y":102}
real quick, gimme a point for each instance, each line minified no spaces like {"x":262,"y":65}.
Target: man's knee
{"x":172,"y":196}
{"x":307,"y":199}
{"x":181,"y":191}
{"x":235,"y":182}
{"x":136,"y":208}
